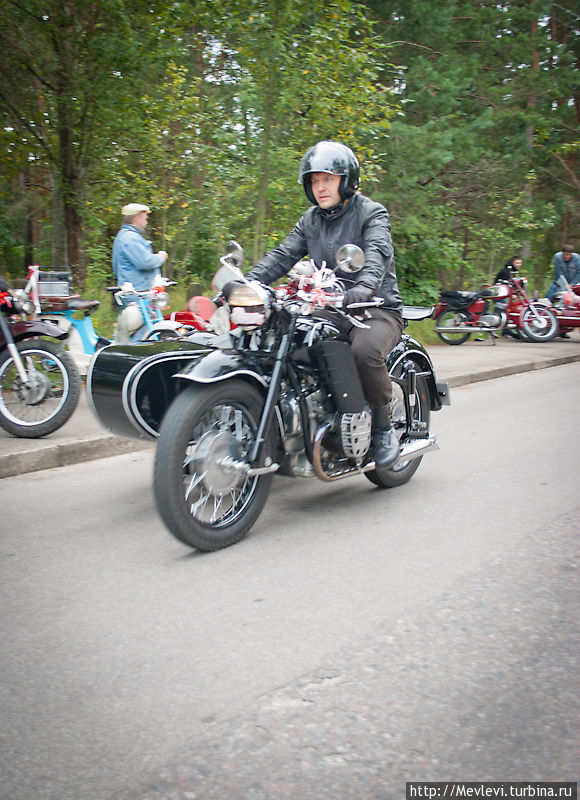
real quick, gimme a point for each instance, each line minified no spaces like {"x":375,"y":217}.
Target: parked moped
{"x":141,"y":318}
{"x":39,"y":382}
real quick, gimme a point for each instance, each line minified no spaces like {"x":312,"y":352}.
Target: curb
{"x":37,"y":455}
{"x":510,"y":369}
{"x":48,"y":456}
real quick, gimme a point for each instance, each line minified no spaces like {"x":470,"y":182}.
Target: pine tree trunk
{"x":59,"y":255}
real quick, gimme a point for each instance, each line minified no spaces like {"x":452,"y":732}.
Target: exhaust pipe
{"x":417,"y":448}
{"x":414,"y":449}
{"x":465,"y":329}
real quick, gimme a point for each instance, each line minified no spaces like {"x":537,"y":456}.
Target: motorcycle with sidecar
{"x":279,"y":393}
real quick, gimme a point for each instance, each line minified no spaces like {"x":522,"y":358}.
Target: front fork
{"x":13,"y":350}
{"x":257,"y":461}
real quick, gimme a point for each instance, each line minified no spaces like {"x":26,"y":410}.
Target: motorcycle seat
{"x":456,"y":299}
{"x":79,"y":304}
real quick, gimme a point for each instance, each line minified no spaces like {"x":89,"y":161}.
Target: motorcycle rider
{"x":329,"y":172}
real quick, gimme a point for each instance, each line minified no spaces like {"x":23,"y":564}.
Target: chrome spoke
{"x":217,"y":503}
{"x":213,"y":492}
{"x":200,"y":504}
{"x":195,"y":481}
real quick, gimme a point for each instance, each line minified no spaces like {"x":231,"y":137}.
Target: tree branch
{"x":568,"y":169}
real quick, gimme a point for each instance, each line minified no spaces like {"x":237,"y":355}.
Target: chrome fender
{"x":221,"y":365}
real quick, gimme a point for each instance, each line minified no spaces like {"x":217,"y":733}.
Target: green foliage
{"x":463,"y":115}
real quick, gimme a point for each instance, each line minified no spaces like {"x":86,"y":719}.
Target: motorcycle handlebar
{"x":373,"y":303}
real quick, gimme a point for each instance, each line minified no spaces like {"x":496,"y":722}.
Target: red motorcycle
{"x":505,"y":306}
{"x":566,"y":305}
{"x":197,"y":313}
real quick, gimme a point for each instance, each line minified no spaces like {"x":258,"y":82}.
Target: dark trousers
{"x":370,"y":348}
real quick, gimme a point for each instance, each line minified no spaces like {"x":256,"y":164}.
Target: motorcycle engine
{"x":350,"y":434}
{"x":355,"y":433}
{"x":490,"y":320}
{"x":348,"y":437}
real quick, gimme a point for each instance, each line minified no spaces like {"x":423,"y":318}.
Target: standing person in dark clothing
{"x":510,"y":270}
{"x":329,"y":173}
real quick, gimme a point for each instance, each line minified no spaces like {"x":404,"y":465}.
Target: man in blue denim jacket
{"x":133,"y":258}
{"x":567,"y":265}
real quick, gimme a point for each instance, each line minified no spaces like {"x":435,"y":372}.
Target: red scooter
{"x":39,"y":382}
{"x":504,"y":306}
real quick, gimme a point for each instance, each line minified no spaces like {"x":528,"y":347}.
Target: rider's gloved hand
{"x":358,"y":294}
{"x":229,"y":288}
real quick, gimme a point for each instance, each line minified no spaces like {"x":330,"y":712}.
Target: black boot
{"x":385,"y":444}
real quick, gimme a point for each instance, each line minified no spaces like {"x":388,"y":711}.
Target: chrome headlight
{"x":160,"y":299}
{"x":22,"y":303}
{"x":249,"y":306}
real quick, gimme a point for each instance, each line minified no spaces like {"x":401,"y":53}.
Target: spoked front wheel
{"x":539,"y":323}
{"x":49,"y":396}
{"x":202,"y":489}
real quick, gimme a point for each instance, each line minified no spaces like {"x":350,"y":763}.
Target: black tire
{"x":32,"y":413}
{"x":536,"y":332}
{"x":202,"y":504}
{"x":403,"y":471}
{"x":452,"y":319}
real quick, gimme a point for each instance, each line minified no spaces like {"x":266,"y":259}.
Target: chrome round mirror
{"x":235,"y":253}
{"x":350,"y":258}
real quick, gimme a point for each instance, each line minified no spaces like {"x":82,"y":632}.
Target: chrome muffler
{"x":413,"y":449}
{"x":465,"y":329}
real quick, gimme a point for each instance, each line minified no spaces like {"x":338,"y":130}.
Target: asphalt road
{"x":356,"y":639}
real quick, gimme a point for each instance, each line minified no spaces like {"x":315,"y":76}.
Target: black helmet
{"x":334,"y":158}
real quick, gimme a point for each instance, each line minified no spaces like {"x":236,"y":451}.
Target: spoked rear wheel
{"x":450,"y":320}
{"x":203,"y":494}
{"x":404,"y":470}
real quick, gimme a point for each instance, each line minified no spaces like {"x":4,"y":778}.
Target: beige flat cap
{"x":134,"y":208}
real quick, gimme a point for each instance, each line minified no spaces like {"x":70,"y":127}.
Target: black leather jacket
{"x":319,"y":235}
